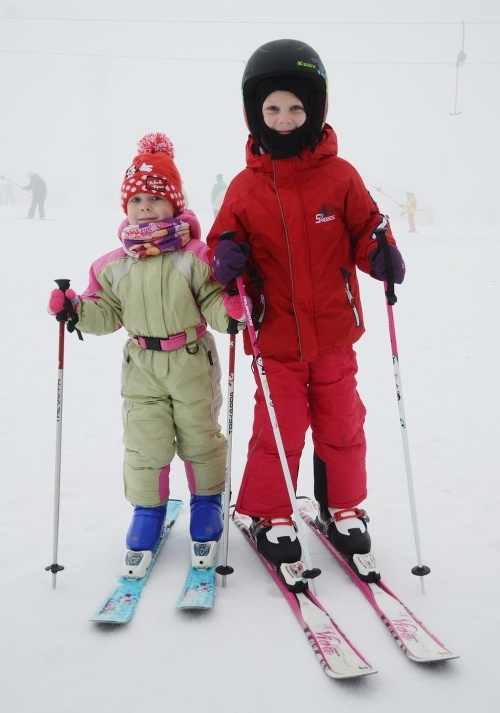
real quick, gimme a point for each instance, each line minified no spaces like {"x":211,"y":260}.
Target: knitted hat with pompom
{"x":153,"y":171}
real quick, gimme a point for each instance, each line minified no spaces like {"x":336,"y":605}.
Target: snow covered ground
{"x":249,"y":653}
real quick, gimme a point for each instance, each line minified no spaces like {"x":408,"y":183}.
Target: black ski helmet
{"x":291,"y":58}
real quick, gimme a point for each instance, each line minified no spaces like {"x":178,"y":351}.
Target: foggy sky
{"x":83,"y":81}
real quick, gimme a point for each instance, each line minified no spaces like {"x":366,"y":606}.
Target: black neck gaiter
{"x":285,"y":145}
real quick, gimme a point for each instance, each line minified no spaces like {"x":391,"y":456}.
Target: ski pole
{"x":311,"y":571}
{"x":9,"y":181}
{"x":225,"y":569}
{"x":55,"y":567}
{"x":388,"y":196}
{"x":420,"y":569}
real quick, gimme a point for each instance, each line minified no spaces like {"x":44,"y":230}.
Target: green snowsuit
{"x":171,"y":399}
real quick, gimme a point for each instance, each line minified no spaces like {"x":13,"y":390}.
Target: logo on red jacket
{"x":326,"y":214}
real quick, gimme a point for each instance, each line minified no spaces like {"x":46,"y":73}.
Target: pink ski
{"x":412,"y":636}
{"x":336,"y":655}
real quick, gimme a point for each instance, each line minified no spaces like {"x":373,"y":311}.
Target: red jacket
{"x":309,"y":222}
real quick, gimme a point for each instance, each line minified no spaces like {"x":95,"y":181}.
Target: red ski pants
{"x":322,"y":395}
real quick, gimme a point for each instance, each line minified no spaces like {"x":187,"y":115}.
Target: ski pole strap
{"x":68,"y":314}
{"x":73,"y":319}
{"x":232,"y":327}
{"x":381,"y":237}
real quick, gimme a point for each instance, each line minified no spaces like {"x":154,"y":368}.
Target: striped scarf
{"x":151,"y":239}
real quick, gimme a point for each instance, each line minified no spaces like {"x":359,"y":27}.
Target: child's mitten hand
{"x":379,"y":266}
{"x":229,"y":260}
{"x":58,"y":304}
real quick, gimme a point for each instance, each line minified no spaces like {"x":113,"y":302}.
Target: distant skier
{"x":38,"y":190}
{"x":410,"y":208}
{"x":218,"y":192}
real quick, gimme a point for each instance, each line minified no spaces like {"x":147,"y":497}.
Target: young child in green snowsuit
{"x":157,"y":286}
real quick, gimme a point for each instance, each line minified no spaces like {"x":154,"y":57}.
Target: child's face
{"x":144,"y":208}
{"x":283,"y":112}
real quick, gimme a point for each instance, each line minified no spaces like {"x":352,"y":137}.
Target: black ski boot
{"x":276,"y":539}
{"x":348,"y":532}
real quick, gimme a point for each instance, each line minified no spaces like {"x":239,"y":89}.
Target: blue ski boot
{"x":206,"y":518}
{"x":145,"y":529}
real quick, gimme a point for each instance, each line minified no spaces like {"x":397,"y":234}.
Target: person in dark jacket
{"x":305,"y":221}
{"x":38,"y":190}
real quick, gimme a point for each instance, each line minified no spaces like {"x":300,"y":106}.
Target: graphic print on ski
{"x":334,"y":652}
{"x":120,"y":605}
{"x":198,"y":590}
{"x":410,"y":634}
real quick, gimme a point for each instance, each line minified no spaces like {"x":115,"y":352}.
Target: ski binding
{"x":203,"y":554}
{"x":136,"y":564}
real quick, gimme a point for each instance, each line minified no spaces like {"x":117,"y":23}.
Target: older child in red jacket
{"x":306,"y":221}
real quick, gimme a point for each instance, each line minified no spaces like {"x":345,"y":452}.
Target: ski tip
{"x":350,"y":674}
{"x":432,"y":658}
{"x":108,"y":623}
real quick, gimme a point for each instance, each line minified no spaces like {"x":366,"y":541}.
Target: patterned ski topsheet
{"x":334,"y":652}
{"x":198,"y":591}
{"x":411,"y":635}
{"x":120,"y":605}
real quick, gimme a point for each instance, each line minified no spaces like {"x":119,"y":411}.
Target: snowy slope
{"x":249,"y":651}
